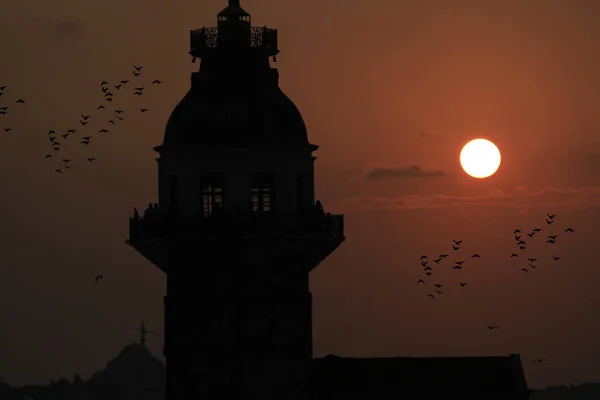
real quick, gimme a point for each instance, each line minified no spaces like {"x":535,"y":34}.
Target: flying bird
{"x":522,"y":247}
{"x":549,"y":222}
{"x":20,"y":101}
{"x":437,"y":260}
{"x":457,"y":242}
{"x":100,"y":106}
{"x":85,"y":117}
{"x":59,"y":171}
{"x":90,"y":159}
{"x":103,"y":83}
{"x":143,"y":109}
{"x":98,"y":277}
{"x":83,"y":123}
{"x":532,"y":259}
{"x":524,"y":270}
{"x":514,"y":255}
{"x":539,"y":360}
{"x":475,"y":256}
{"x":463,"y":284}
{"x":532,"y":266}
{"x":569,"y":230}
{"x":492,"y":327}
{"x":551,"y":216}
{"x":537,"y":230}
{"x":420,"y":281}
{"x":550,"y":241}
{"x":423,"y":257}
{"x":455,"y":248}
{"x":556,"y":258}
{"x":438,"y":285}
{"x":457,"y":267}
{"x":8,"y":129}
{"x":48,"y":156}
{"x":103,"y":130}
{"x":156,"y":81}
{"x":517,"y":231}
{"x":431,"y":296}
{"x":443,"y":255}
{"x":553,"y":237}
{"x":141,"y":67}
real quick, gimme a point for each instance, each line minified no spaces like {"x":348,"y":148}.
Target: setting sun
{"x":480,"y":158}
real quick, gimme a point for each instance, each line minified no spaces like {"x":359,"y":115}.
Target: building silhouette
{"x":237,"y":231}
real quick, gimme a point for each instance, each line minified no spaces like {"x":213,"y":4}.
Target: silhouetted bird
{"x":121,"y":112}
{"x":457,"y":242}
{"x":516,"y":231}
{"x":138,"y":93}
{"x":98,"y":277}
{"x":437,"y":260}
{"x":86,"y":138}
{"x":124,"y":82}
{"x":20,"y":101}
{"x":556,"y":258}
{"x":463,"y":284}
{"x":120,"y":118}
{"x":118,"y":87}
{"x":8,"y":129}
{"x":549,"y":222}
{"x":104,"y":89}
{"x":423,"y":257}
{"x":141,"y":67}
{"x":420,"y":281}
{"x":459,"y":262}
{"x":100,"y":106}
{"x":65,"y":135}
{"x":532,"y":266}
{"x":85,"y":117}
{"x":136,"y":73}
{"x":539,"y":360}
{"x":443,"y":256}
{"x":428,"y":273}
{"x":524,"y":270}
{"x":438,"y":285}
{"x":143,"y":109}
{"x":550,"y":241}
{"x":103,"y":131}
{"x":521,"y":242}
{"x":66,"y":160}
{"x":531,"y":234}
{"x":424,"y":263}
{"x":537,"y":230}
{"x":517,"y":237}
{"x":4,"y":108}
{"x":156,"y":81}
{"x":455,"y":248}
{"x":59,"y":171}
{"x":522,"y":247}
{"x":431,"y":296}
{"x":111,"y":122}
{"x":3,"y":87}
{"x":51,"y":132}
{"x":553,"y":237}
{"x":427,"y":269}
{"x":83,"y":123}
{"x":48,"y":156}
{"x":457,"y":267}
{"x":109,"y":99}
{"x":72,"y":130}
{"x":569,"y":230}
{"x":475,"y":256}
{"x":551,"y":216}
{"x":438,"y":292}
{"x":532,"y":259}
{"x":90,"y":159}
{"x":103,"y":83}
{"x":492,"y":327}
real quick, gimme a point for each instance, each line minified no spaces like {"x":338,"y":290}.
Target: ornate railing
{"x":204,"y":39}
{"x":159,"y":224}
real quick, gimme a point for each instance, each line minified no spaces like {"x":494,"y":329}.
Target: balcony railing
{"x":159,"y":224}
{"x":261,"y":38}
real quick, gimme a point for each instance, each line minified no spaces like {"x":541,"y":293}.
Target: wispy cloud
{"x":521,"y":197}
{"x":412,"y":171}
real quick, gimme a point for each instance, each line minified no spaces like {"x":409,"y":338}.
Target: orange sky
{"x":381,"y":84}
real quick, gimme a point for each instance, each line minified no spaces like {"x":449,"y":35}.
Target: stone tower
{"x":236,"y":228}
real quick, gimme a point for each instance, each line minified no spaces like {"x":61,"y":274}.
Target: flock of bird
{"x":86,"y":136}
{"x":458,"y":264}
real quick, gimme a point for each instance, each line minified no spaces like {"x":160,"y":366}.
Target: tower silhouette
{"x":236,"y":229}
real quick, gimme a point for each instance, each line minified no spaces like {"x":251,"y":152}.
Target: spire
{"x":233,"y":10}
{"x":143,"y":334}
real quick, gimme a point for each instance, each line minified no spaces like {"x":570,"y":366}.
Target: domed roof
{"x":208,"y":117}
